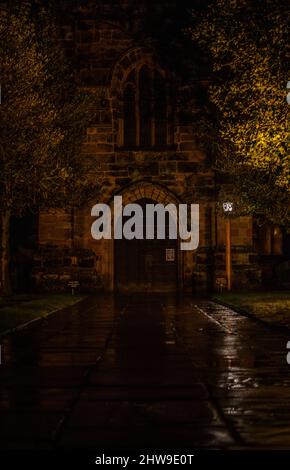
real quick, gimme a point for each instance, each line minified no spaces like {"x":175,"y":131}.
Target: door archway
{"x":147,"y":265}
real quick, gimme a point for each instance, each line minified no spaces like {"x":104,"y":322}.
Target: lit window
{"x":269,"y":240}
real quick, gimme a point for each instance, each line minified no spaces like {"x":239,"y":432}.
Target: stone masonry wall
{"x":104,"y":54}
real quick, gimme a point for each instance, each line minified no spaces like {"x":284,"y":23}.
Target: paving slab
{"x":145,"y":370}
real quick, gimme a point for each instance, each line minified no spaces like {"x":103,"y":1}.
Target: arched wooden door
{"x":146,"y":265}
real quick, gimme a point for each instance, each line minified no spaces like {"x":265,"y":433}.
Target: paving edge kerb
{"x":245,"y":313}
{"x":22,"y":326}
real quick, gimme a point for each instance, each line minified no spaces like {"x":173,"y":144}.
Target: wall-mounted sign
{"x":170,"y":254}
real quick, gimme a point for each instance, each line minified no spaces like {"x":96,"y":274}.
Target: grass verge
{"x":20,"y":309}
{"x":271,"y":307}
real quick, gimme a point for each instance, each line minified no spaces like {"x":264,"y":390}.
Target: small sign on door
{"x":170,"y":254}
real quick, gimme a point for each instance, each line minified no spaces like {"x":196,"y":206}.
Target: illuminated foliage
{"x":43,"y":118}
{"x":248,"y":45}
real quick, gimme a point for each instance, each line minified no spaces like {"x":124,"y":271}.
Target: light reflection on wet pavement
{"x":146,"y":371}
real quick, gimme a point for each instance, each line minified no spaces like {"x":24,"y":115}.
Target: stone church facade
{"x":138,"y":147}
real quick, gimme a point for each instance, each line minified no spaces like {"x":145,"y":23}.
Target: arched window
{"x":129,"y":115}
{"x":148,"y":116}
{"x":145,"y":107}
{"x":160,"y":108}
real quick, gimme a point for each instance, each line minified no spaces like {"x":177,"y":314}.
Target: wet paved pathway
{"x":145,"y":371}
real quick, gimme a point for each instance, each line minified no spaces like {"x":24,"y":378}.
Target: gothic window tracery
{"x":147,"y":109}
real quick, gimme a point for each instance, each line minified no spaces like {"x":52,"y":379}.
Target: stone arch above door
{"x":162,"y":278}
{"x":147,"y":190}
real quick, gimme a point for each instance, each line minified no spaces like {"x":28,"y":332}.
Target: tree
{"x":247,"y":42}
{"x":43,"y":117}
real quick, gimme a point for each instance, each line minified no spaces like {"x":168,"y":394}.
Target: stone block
{"x":188,"y":167}
{"x":104,"y":148}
